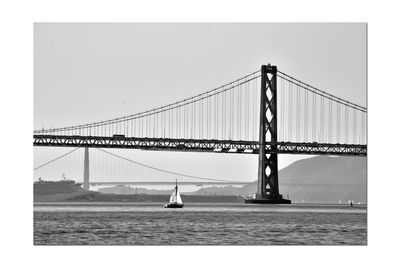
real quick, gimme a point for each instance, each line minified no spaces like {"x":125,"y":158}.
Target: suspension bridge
{"x":266,"y":112}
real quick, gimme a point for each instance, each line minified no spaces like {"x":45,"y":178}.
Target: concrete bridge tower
{"x":86,"y":170}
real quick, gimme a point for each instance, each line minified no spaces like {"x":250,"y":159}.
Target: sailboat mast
{"x":176,"y":188}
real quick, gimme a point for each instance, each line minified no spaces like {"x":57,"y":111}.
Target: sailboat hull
{"x":173,"y":205}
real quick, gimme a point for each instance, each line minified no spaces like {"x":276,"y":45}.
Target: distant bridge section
{"x":144,"y":183}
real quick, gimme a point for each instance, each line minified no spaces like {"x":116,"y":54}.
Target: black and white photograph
{"x":200,"y":134}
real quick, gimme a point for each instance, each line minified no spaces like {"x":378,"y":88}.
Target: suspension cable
{"x":59,"y":157}
{"x":321,"y":93}
{"x":177,"y":104}
{"x":169,"y":172}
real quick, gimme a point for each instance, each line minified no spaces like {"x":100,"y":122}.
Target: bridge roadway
{"x":199,"y":145}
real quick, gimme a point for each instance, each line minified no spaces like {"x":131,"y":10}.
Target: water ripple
{"x":200,"y":224}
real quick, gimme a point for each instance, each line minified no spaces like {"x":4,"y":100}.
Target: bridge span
{"x":196,"y":145}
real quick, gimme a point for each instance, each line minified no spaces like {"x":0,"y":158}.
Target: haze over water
{"x":198,"y":224}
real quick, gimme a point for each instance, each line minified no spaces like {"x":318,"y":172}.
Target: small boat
{"x":175,"y":200}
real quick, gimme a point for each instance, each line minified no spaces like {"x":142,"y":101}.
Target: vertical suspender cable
{"x":305,"y":116}
{"x":338,"y":107}
{"x":176,"y":122}
{"x":346,"y":126}
{"x":283,"y":113}
{"x":133,"y":127}
{"x":141,"y":127}
{"x":201,"y":119}
{"x":187,"y":120}
{"x":363,"y":133}
{"x":238,"y":106}
{"x":162,"y":124}
{"x":184,"y":119}
{"x":230,"y":115}
{"x":314,"y":118}
{"x":240,"y":112}
{"x":215,"y":117}
{"x":208,"y":117}
{"x":254,"y":109}
{"x":246,"y":117}
{"x":354,"y":126}
{"x":298,"y":115}
{"x":223,"y":117}
{"x":192,"y":119}
{"x":322,"y":120}
{"x":330,"y":123}
{"x":180,"y":109}
{"x":290,"y":118}
{"x":154,"y":125}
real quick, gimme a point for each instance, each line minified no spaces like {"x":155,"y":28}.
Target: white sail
{"x":178,"y":197}
{"x":173,"y":198}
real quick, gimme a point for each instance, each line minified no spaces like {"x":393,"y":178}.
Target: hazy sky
{"x":91,"y":72}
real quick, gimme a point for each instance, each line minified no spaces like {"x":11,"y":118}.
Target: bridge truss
{"x":194,"y":145}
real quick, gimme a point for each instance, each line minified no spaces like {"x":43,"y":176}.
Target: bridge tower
{"x":86,"y":170}
{"x":268,"y":187}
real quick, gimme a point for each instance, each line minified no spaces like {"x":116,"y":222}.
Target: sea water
{"x":198,"y":224}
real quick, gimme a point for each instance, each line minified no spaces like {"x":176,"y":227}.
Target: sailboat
{"x":175,"y":200}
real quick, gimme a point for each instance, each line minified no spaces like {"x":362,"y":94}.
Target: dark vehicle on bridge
{"x":118,"y":136}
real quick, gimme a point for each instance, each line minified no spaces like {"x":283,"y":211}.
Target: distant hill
{"x":318,"y":179}
{"x":326,"y":179}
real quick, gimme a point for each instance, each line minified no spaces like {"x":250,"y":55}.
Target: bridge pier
{"x":268,"y":187}
{"x":86,"y":185}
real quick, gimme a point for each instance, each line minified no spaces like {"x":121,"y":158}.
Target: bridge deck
{"x":199,"y":145}
{"x":205,"y":183}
